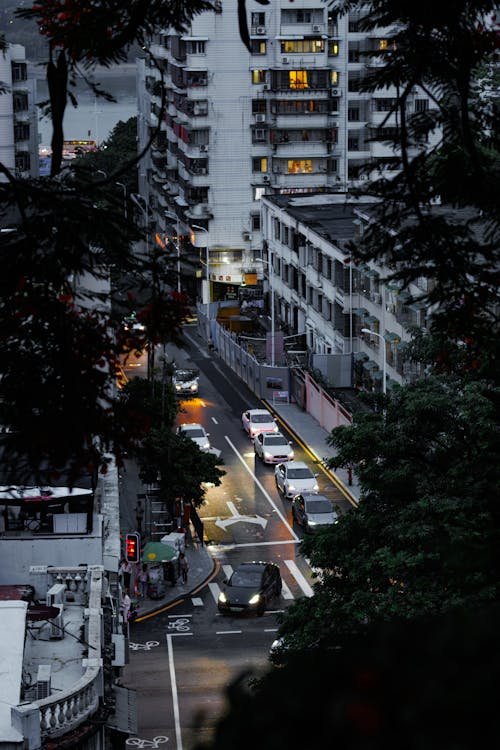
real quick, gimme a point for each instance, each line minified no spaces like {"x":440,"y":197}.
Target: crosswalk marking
{"x":228,"y":570}
{"x":292,"y":567}
{"x":214,"y":590}
{"x":197,"y":601}
{"x":285,"y":591}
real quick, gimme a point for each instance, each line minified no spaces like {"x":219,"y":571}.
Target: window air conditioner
{"x":43,"y":688}
{"x":260,"y":30}
{"x":260,"y":118}
{"x":266,"y":178}
{"x":57,"y":625}
{"x":267,"y":87}
{"x":285,"y":60}
{"x":316,"y":27}
{"x":335,"y":92}
{"x":204,"y":148}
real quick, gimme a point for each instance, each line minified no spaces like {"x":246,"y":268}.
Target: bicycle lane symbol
{"x":140,"y":743}
{"x":180,"y":625}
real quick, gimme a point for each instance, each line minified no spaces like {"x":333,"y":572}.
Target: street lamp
{"x":384,"y":373}
{"x":207,"y":261}
{"x":124,"y":187}
{"x":136,"y":197}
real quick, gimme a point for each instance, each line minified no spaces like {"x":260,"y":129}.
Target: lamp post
{"x":136,"y":197}
{"x":207,"y":262}
{"x":384,"y":370}
{"x":124,"y":188}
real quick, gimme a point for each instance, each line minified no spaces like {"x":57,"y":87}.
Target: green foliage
{"x":426,"y":685}
{"x":178,"y":465}
{"x":144,"y":405}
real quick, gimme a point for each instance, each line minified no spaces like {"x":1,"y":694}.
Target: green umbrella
{"x":158,"y":552}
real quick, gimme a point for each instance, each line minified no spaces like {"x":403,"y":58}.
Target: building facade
{"x":288,"y":117}
{"x":18,"y":114}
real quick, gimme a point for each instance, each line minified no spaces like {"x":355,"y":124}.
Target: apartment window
{"x":334,"y":77}
{"x":285,"y":235}
{"x":259,"y":164}
{"x":259,"y":135}
{"x":354,"y":27}
{"x":258,"y":76}
{"x":353,"y":114}
{"x":353,"y":144}
{"x":333,"y":49}
{"x":21,"y":131}
{"x":421,"y":105}
{"x":19,"y":72}
{"x":195,"y":48}
{"x":259,"y":46}
{"x":258,"y":19}
{"x":385,"y":105}
{"x":354,"y":55}
{"x":20,"y":101}
{"x":23,"y":162}
{"x":383,"y":44}
{"x":333,"y":166}
{"x":302,"y":46}
{"x":259,"y":106}
{"x":299,"y":166}
{"x":298,"y":79}
{"x":277,"y":229}
{"x":255,"y":218}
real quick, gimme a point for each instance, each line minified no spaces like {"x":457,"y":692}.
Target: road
{"x":198,"y":652}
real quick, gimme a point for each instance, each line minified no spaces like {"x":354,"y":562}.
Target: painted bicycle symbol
{"x":138,"y":742}
{"x":180,"y":625}
{"x":143,"y":646}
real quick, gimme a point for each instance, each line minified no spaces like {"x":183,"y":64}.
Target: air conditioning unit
{"x":266,"y":178}
{"x":285,"y":60}
{"x":57,"y":625}
{"x":56,"y":595}
{"x":204,"y":148}
{"x":336,"y":92}
{"x":246,"y":236}
{"x":316,"y":27}
{"x":43,"y":682}
{"x":260,"y":118}
{"x":267,"y":87}
{"x":260,"y":30}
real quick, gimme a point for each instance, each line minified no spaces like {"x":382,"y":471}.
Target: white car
{"x":197,"y":433}
{"x":313,"y":511}
{"x":185,"y":382}
{"x":294,"y":477}
{"x":273,"y":448}
{"x":255,"y":421}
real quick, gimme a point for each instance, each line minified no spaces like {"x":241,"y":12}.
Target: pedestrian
{"x":143,"y":578}
{"x":170,"y":572}
{"x":183,"y":567}
{"x":125,"y":571}
{"x":125,"y":609}
{"x":210,"y":343}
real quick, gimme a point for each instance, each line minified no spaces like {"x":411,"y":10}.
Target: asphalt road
{"x":184,"y":659}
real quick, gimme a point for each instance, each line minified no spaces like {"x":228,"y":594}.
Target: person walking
{"x":125,"y":572}
{"x":183,"y":567}
{"x":143,"y":578}
{"x":125,"y":609}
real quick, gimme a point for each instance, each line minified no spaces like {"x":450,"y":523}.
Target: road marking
{"x":173,"y":686}
{"x":304,"y":585}
{"x":285,"y":591}
{"x":215,"y":591}
{"x":214,"y":420}
{"x":227,"y":632}
{"x":235,"y":517}
{"x":262,"y":489}
{"x":252,"y":544}
{"x":196,"y":601}
{"x":181,"y":615}
{"x":270,"y":630}
{"x":228,"y":571}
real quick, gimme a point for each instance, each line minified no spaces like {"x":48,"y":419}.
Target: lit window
{"x":258,"y":76}
{"x":299,"y":166}
{"x":383,"y":44}
{"x":333,"y":49}
{"x":259,"y":164}
{"x":298,"y":79}
{"x":334,"y":77}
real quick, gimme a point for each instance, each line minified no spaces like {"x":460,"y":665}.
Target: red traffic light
{"x":132,"y":547}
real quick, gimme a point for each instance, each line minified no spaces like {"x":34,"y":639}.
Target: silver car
{"x":197,"y":433}
{"x":313,"y":512}
{"x":294,"y":477}
{"x":273,"y":448}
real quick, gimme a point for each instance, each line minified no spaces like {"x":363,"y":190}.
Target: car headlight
{"x":275,"y":428}
{"x":255,"y":599}
{"x":267,"y":455}
{"x":311,"y":523}
{"x":222,"y":597}
{"x":316,"y":487}
{"x":177,"y":387}
{"x":193,"y":387}
{"x":291,"y":488}
{"x":291,"y":455}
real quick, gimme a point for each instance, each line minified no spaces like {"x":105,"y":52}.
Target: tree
{"x":178,"y":465}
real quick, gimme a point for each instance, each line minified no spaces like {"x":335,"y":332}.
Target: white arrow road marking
{"x":262,"y":489}
{"x":235,"y":518}
{"x":215,"y":591}
{"x":292,"y":567}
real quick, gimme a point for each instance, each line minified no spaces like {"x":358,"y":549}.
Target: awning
{"x":370,"y":365}
{"x":392,"y":338}
{"x":156,"y":552}
{"x":289,"y":37}
{"x":194,"y":38}
{"x":360,"y":311}
{"x":360,"y":356}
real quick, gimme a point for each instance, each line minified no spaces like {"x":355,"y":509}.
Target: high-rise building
{"x":287,"y":117}
{"x":18,"y":115}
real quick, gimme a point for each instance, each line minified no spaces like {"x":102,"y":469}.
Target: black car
{"x":251,"y":586}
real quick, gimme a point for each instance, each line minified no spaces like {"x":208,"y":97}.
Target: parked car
{"x":185,"y":382}
{"x":251,"y":586}
{"x":197,"y":433}
{"x":294,"y":477}
{"x":313,"y":511}
{"x":255,"y":421}
{"x":273,"y":447}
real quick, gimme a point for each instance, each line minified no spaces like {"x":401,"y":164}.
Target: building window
{"x":353,"y":144}
{"x":353,"y":114}
{"x":259,"y":164}
{"x":195,"y":48}
{"x":285,"y":235}
{"x":258,"y":19}
{"x":20,"y":101}
{"x":277,"y":228}
{"x":23,"y":162}
{"x":259,"y":46}
{"x":299,"y":166}
{"x":19,"y":72}
{"x":334,"y":78}
{"x":421,"y":105}
{"x":255,"y":218}
{"x":259,"y":107}
{"x":298,"y":79}
{"x":385,"y":105}
{"x":333,"y":49}
{"x":333,"y":166}
{"x":258,"y":76}
{"x":383,"y":44}
{"x":302,"y":46}
{"x":354,"y":55}
{"x":21,"y":131}
{"x":259,"y":135}
{"x":353,"y":27}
